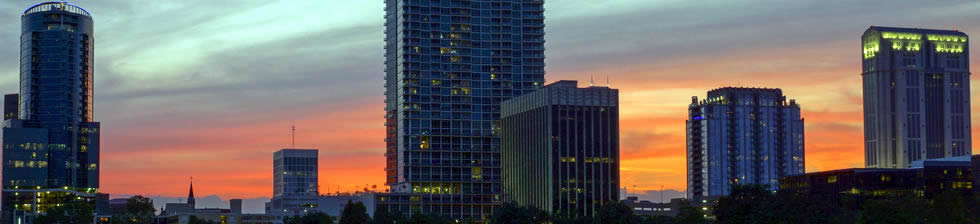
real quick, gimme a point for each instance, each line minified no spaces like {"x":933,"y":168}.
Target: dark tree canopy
{"x":71,"y":213}
{"x":615,"y":213}
{"x":309,"y":218}
{"x":383,"y":216}
{"x":512,"y":213}
{"x":139,"y":210}
{"x":354,"y":213}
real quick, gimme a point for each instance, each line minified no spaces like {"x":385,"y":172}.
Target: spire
{"x":190,"y":196}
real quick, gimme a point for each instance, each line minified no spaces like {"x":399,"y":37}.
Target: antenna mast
{"x":294,"y":135}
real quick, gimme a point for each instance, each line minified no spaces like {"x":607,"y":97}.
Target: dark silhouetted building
{"x":448,"y":65}
{"x":916,"y":95}
{"x":975,"y":161}
{"x":742,"y":136}
{"x":648,"y":208}
{"x":10,"y":105}
{"x":52,"y":148}
{"x":560,"y":148}
{"x":926,"y":179}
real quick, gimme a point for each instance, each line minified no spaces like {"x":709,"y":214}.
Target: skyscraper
{"x":916,"y":95}
{"x":560,"y":148}
{"x":742,"y":136}
{"x":448,"y":66}
{"x":295,"y":188}
{"x":53,"y":144}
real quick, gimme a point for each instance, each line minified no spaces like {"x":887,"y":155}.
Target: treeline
{"x":755,"y":204}
{"x":508,"y":213}
{"x":750,"y":204}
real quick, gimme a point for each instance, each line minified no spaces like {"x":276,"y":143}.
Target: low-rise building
{"x":649,"y":208}
{"x":182,"y":213}
{"x":925,"y":179}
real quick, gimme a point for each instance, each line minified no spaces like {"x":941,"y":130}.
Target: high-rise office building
{"x":916,"y":95}
{"x":52,"y":147}
{"x":742,"y":136}
{"x":560,"y":148}
{"x":448,"y":66}
{"x":295,"y":188}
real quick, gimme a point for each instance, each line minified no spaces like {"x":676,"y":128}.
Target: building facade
{"x":10,"y":105}
{"x":448,"y":65}
{"x":927,"y":179}
{"x":916,"y":95}
{"x":295,"y":188}
{"x":975,"y":164}
{"x":560,"y":148}
{"x":185,"y":213}
{"x":648,"y":208}
{"x":742,"y":136}
{"x":51,"y":148}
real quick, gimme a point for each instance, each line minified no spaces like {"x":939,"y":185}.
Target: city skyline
{"x":163,"y":102}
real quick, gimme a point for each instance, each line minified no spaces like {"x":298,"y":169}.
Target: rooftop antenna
{"x":294,"y":135}
{"x":607,"y":80}
{"x":591,"y":81}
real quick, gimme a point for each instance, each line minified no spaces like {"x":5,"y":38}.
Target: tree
{"x":950,"y":207}
{"x":195,"y":220}
{"x":139,"y":210}
{"x":354,"y":213}
{"x":383,"y":216}
{"x":71,"y":213}
{"x":893,"y":211}
{"x":747,"y":204}
{"x":615,"y":213}
{"x":572,"y":219}
{"x":690,"y":215}
{"x":430,"y":219}
{"x":511,"y":212}
{"x":659,"y":219}
{"x":309,"y":218}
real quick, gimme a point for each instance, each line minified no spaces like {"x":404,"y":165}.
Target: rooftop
{"x":56,"y":6}
{"x":916,"y":30}
{"x":728,"y":90}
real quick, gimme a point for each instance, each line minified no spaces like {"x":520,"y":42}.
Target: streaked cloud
{"x":210,"y":88}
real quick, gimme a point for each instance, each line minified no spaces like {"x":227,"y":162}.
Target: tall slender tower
{"x":916,"y":95}
{"x":190,"y":195}
{"x":742,"y":136}
{"x":448,"y":66}
{"x":53,"y":144}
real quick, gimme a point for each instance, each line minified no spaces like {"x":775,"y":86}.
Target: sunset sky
{"x":210,"y":88}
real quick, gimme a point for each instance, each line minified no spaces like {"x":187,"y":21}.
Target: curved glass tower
{"x":51,"y":150}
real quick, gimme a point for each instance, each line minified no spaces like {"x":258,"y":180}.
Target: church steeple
{"x":190,"y":196}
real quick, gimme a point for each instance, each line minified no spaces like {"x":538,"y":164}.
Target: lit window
{"x":477,"y":173}
{"x":425,"y":143}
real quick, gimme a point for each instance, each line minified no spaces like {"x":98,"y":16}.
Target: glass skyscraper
{"x":295,"y":183}
{"x":560,"y":148}
{"x":742,"y":136}
{"x":916,"y":95}
{"x":51,"y":150}
{"x":449,"y":65}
